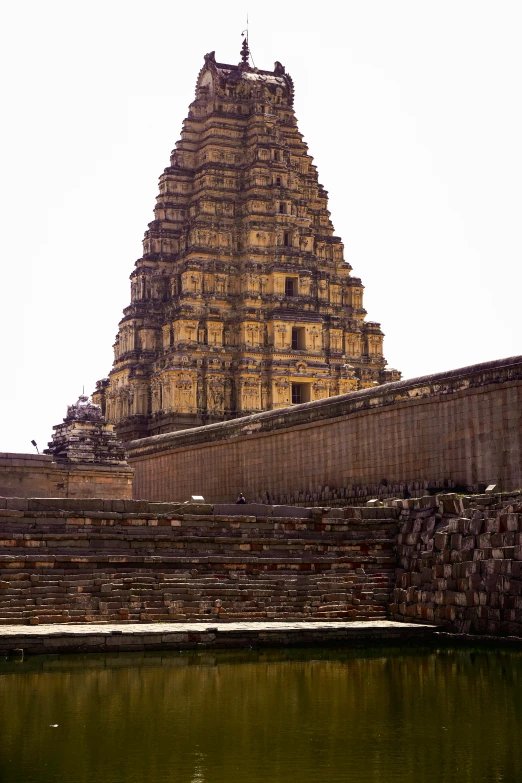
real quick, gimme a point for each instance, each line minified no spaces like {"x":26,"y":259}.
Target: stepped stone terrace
{"x":109,"y":560}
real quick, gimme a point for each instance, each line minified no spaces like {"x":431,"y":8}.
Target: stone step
{"x":200,"y":569}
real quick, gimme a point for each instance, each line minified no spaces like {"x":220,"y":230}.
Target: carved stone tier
{"x":242,"y":300}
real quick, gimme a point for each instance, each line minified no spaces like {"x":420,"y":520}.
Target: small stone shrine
{"x":85,"y":437}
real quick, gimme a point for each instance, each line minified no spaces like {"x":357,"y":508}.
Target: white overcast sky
{"x":411,"y":109}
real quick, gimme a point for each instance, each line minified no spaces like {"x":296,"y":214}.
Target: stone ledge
{"x":45,"y":639}
{"x":99,"y":508}
{"x":39,"y":458}
{"x":40,"y":560}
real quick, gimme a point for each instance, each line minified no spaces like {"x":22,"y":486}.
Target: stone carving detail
{"x":83,"y":410}
{"x":240,"y":263}
{"x":320,"y":390}
{"x":216,"y":395}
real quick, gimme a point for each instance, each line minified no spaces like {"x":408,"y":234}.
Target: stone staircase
{"x":159,"y":564}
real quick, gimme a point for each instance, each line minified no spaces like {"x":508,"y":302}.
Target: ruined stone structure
{"x":460,"y":563}
{"x":242,"y":301}
{"x":116,"y":560}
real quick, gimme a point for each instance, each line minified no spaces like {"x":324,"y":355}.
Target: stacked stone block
{"x":131,"y":561}
{"x":452,"y":560}
{"x":460,"y":563}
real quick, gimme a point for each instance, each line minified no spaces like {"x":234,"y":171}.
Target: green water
{"x":305,"y":716}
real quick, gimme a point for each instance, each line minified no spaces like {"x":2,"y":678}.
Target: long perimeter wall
{"x":461,"y":428}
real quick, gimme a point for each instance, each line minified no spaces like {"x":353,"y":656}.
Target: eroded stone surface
{"x":460,"y":563}
{"x":447,"y":559}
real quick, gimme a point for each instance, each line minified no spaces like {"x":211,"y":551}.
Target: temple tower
{"x":242,"y":300}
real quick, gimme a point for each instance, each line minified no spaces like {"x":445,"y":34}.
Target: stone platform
{"x":45,"y":639}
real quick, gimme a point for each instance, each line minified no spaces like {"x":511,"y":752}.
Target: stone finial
{"x":245,"y":51}
{"x":85,"y":437}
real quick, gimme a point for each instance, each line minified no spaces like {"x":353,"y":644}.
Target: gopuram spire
{"x":242,"y":300}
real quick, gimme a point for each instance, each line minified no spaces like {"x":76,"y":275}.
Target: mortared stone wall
{"x":38,"y":475}
{"x":458,"y":429}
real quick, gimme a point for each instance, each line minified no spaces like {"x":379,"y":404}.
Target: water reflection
{"x":376,"y":715}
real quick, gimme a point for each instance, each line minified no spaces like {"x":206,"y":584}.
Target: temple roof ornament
{"x":245,"y":52}
{"x":84,"y":410}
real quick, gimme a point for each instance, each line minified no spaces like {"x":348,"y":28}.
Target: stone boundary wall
{"x":64,"y":561}
{"x":460,"y":563}
{"x":455,"y":429}
{"x":31,"y":475}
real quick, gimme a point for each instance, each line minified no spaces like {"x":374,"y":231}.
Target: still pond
{"x":285,"y":716}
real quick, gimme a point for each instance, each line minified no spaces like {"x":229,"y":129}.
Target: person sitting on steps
{"x":241,"y":499}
